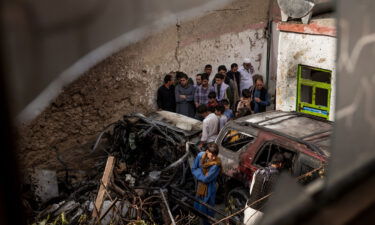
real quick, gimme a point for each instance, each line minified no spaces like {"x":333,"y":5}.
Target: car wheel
{"x":235,"y":201}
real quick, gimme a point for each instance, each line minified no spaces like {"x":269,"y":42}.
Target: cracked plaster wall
{"x":225,"y":50}
{"x":127,"y":81}
{"x":311,"y":50}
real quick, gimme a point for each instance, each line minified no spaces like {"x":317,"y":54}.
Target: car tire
{"x":236,"y":200}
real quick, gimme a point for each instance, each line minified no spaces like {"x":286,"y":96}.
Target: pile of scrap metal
{"x":147,"y":158}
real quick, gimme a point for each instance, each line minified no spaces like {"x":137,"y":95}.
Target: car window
{"x":235,"y":140}
{"x":297,"y":164}
{"x":266,"y":152}
{"x":304,"y":165}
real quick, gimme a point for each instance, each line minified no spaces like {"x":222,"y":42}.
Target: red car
{"x":248,"y":143}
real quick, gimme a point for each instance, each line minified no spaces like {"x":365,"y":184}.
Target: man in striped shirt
{"x":202,"y":91}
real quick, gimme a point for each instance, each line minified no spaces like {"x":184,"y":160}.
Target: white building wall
{"x":273,"y":63}
{"x":222,"y":50}
{"x":311,"y":50}
{"x":225,"y":50}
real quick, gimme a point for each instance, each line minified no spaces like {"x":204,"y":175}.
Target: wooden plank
{"x":108,"y":171}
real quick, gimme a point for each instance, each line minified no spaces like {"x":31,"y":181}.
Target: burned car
{"x":147,"y":176}
{"x":248,"y":143}
{"x":138,"y":159}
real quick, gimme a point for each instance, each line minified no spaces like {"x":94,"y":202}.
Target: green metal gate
{"x":314,"y":91}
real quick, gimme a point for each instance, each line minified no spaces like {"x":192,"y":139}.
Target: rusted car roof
{"x":305,"y":128}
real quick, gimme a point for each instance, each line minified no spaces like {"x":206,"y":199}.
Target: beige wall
{"x":307,"y":49}
{"x":127,"y":81}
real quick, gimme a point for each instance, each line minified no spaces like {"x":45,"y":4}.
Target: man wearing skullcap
{"x":246,"y":71}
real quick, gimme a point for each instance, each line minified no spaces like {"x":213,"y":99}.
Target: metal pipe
{"x":101,"y":135}
{"x":180,"y":160}
{"x":323,"y":7}
{"x":109,"y":208}
{"x":275,"y":117}
{"x":147,"y":120}
{"x":166,"y":204}
{"x":194,"y":209}
{"x":316,"y":133}
{"x":269,"y":38}
{"x":198,"y":200}
{"x":204,"y":203}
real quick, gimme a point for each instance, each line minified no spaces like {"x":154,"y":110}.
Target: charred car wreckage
{"x":147,"y":179}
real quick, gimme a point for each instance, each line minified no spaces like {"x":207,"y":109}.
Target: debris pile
{"x":147,"y":162}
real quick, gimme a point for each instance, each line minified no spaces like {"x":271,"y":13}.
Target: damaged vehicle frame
{"x":248,"y":143}
{"x":158,"y":139}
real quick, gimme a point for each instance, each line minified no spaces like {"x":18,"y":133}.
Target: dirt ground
{"x":123,"y":83}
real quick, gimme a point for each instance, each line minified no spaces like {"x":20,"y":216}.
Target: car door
{"x":306,"y":167}
{"x":232,"y":143}
{"x":264,"y":155}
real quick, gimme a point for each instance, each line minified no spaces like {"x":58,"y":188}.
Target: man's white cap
{"x":246,"y":60}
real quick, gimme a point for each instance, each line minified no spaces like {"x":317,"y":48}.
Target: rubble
{"x":145,"y":176}
{"x":44,"y":184}
{"x":146,"y":157}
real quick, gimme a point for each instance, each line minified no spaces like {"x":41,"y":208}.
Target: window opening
{"x":296,"y":164}
{"x":235,"y":140}
{"x":312,"y":74}
{"x":305,"y":164}
{"x":321,"y":97}
{"x":306,"y":93}
{"x":268,"y":150}
{"x":313,"y":91}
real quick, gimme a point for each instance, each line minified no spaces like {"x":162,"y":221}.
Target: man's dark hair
{"x":246,"y":93}
{"x":225,"y":102}
{"x":184,"y":76}
{"x":199,"y":74}
{"x":208,"y":66}
{"x":211,"y":109}
{"x":204,"y":76}
{"x":167,"y":78}
{"x":222,"y":67}
{"x":212,"y":94}
{"x":257,"y":77}
{"x":213,"y":148}
{"x":220,"y":76}
{"x":277,"y":158}
{"x":180,"y":75}
{"x":243,"y":112}
{"x":220,"y":108}
{"x":202,"y":109}
{"x":233,"y":65}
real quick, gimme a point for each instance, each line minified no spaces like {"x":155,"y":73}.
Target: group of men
{"x":227,"y":95}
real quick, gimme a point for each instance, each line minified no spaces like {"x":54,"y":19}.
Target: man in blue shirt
{"x":206,"y":168}
{"x":259,"y":95}
{"x":228,"y":112}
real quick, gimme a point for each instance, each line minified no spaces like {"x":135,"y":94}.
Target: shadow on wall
{"x":44,"y":39}
{"x":126,"y":82}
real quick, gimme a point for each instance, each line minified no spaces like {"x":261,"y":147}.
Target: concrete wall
{"x":44,"y":39}
{"x":226,"y":49}
{"x":127,"y":81}
{"x":273,"y":62}
{"x":297,"y":48}
{"x":191,"y":56}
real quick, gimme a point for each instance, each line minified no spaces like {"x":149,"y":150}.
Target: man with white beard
{"x":246,"y":74}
